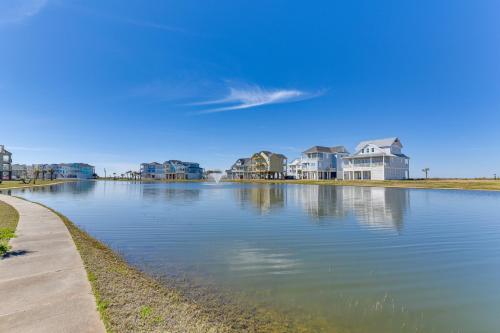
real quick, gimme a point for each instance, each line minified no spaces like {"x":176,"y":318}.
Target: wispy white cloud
{"x":13,"y":11}
{"x":247,"y":97}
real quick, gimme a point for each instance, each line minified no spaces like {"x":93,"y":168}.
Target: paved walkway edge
{"x":43,"y":284}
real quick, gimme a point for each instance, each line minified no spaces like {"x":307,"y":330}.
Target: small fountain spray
{"x":215,"y":175}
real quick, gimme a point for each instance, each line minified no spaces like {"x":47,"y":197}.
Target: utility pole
{"x":104,"y":173}
{"x":495,"y":176}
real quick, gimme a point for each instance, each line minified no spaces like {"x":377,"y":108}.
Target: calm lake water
{"x":346,"y":259}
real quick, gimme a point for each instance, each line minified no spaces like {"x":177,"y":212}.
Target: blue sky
{"x":115,"y":84}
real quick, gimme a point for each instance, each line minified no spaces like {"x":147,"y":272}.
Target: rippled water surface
{"x":340,"y":259}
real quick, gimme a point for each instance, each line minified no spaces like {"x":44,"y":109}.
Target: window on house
{"x":373,"y":150}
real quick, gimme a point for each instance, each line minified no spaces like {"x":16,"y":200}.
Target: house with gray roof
{"x":318,"y":162}
{"x":153,"y":170}
{"x":379,"y":159}
{"x":171,"y":169}
{"x":240,"y":169}
{"x":261,"y":165}
{"x":175,"y":169}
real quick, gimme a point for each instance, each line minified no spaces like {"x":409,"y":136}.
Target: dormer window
{"x":373,"y":150}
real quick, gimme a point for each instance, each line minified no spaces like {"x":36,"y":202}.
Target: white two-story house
{"x":318,"y":162}
{"x":380,"y":159}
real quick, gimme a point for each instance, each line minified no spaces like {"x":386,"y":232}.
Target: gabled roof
{"x":322,"y":149}
{"x":152,"y":163}
{"x":269,"y":154}
{"x":280,"y":155}
{"x":387,"y":142}
{"x":243,"y":160}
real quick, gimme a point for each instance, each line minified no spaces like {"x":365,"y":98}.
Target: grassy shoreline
{"x":437,"y":184}
{"x":441,"y":184}
{"x":15,"y":184}
{"x":9,"y":217}
{"x":129,"y":300}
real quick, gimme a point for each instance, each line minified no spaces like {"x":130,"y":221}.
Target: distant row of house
{"x":380,"y":159}
{"x":9,"y":171}
{"x":53,"y":171}
{"x":172,"y":169}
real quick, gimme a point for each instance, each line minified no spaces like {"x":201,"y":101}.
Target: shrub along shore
{"x":130,"y":300}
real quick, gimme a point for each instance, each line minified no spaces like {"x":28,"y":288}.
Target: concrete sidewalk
{"x":43,"y":285}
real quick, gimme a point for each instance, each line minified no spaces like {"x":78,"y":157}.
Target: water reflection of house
{"x":245,"y":258}
{"x":318,"y":200}
{"x":372,"y":206}
{"x":265,"y":198}
{"x":377,"y":207}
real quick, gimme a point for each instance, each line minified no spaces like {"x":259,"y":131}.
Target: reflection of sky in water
{"x":364,"y":259}
{"x":264,"y":261}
